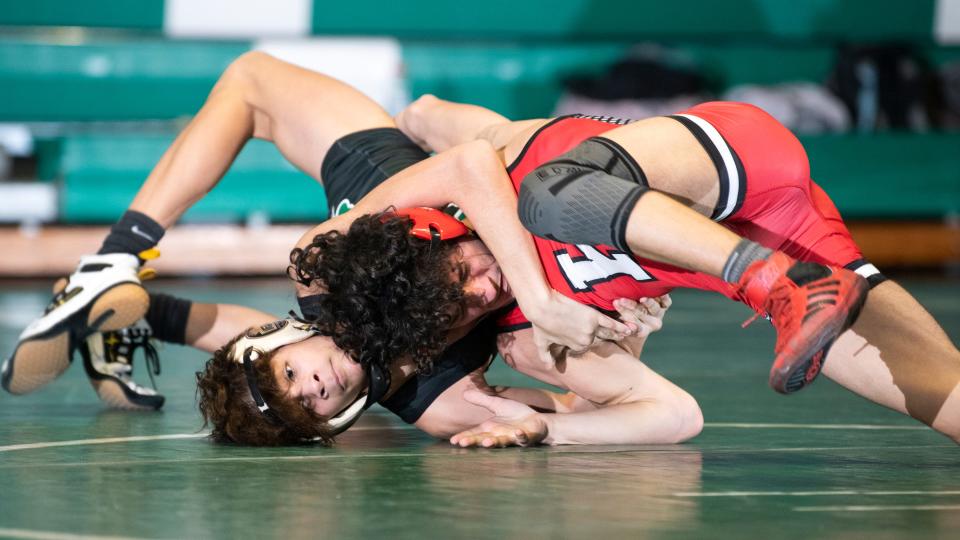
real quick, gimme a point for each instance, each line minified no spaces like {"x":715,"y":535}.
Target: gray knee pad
{"x":574,"y":200}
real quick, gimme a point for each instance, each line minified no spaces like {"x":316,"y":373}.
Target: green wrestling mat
{"x":820,"y":464}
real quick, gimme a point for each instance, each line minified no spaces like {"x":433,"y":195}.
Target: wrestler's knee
{"x":574,"y":199}
{"x":948,"y":419}
{"x":243,"y":67}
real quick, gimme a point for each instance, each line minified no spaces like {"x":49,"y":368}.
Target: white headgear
{"x":261,"y":340}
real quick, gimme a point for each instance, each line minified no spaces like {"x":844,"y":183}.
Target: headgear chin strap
{"x":261,"y":340}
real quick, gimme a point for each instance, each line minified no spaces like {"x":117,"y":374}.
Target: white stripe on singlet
{"x":733,"y":177}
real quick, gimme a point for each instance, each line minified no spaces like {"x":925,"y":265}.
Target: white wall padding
{"x":237,"y":18}
{"x":946,"y":22}
{"x":372,"y":65}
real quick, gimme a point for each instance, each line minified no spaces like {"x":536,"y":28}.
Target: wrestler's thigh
{"x":672,"y":159}
{"x":303,"y":112}
{"x":897,"y":355}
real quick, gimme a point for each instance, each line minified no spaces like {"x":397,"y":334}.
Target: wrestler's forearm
{"x":211,"y":326}
{"x":546,"y":400}
{"x":640,"y":422}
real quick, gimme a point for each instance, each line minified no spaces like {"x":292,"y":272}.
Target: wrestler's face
{"x":319,"y":375}
{"x":485,"y":281}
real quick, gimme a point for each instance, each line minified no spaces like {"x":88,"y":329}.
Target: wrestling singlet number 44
{"x":594,"y":267}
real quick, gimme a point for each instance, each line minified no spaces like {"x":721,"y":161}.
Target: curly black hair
{"x":389,"y":294}
{"x":226,"y":405}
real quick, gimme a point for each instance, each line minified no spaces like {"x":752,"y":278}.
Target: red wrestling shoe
{"x":810,"y":305}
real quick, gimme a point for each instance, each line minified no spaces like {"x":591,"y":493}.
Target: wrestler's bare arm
{"x":614,"y":399}
{"x":450,"y":413}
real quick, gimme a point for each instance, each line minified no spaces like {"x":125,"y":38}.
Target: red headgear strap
{"x":432,"y":224}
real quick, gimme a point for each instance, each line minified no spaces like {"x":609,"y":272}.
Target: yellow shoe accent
{"x":147,"y":273}
{"x":149,"y":254}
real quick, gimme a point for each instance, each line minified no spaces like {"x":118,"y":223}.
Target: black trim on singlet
{"x":742,"y":173}
{"x":526,"y":147}
{"x":873,"y":279}
{"x":707,"y":143}
{"x":514,"y":327}
{"x":615,"y":120}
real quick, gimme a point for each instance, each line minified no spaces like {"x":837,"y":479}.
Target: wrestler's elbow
{"x":476,"y":163}
{"x":689,"y":417}
{"x":682,"y":417}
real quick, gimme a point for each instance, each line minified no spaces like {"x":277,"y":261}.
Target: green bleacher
{"x":510,"y":56}
{"x":101,"y":175}
{"x":558,"y":20}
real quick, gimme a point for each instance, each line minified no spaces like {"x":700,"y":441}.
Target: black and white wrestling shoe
{"x":103,"y":294}
{"x":108,"y":361}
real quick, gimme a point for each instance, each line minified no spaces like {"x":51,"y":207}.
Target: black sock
{"x":746,"y":253}
{"x":135,"y":232}
{"x":168,"y":316}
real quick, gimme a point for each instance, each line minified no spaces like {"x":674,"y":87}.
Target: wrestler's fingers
{"x":613,"y":327}
{"x":630,"y":310}
{"x":465,"y":437}
{"x":520,"y":437}
{"x":652,"y":306}
{"x":604,"y":334}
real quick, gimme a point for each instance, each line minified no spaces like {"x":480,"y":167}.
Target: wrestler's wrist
{"x":534,"y":301}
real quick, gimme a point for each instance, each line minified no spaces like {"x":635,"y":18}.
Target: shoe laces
{"x":754,"y":317}
{"x":124,"y":344}
{"x":777,"y":305}
{"x":61,"y":298}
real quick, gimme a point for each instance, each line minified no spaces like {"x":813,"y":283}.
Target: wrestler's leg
{"x":209,"y":326}
{"x":667,"y":223}
{"x":438,"y":125}
{"x":895,"y":354}
{"x":898,"y":356}
{"x":597,"y":193}
{"x":301,"y":111}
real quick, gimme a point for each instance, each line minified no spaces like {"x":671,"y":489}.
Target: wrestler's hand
{"x":561,"y":323}
{"x":514,"y":424}
{"x":647,"y":314}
